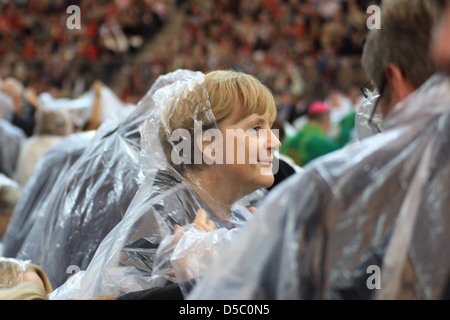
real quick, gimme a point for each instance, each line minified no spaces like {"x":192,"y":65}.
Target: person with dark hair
{"x":369,"y":221}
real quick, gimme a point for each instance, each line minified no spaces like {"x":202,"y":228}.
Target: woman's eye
{"x":257,"y":128}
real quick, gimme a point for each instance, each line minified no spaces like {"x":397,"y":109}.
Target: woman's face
{"x":248,"y":149}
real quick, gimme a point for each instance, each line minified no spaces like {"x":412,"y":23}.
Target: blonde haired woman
{"x":206,"y":144}
{"x":22,"y":280}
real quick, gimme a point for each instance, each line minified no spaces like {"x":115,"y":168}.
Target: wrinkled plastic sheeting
{"x":363,"y":115}
{"x":85,"y":206}
{"x":92,"y":199}
{"x":50,"y":170}
{"x":11,"y":141}
{"x":11,"y":192}
{"x":194,"y":253}
{"x":382,"y":203}
{"x":6,"y":107}
{"x":110,"y":106}
{"x":130,"y":257}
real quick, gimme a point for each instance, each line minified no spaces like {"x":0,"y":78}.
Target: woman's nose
{"x":273,"y":141}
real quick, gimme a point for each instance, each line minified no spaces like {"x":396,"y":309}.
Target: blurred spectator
{"x":340,"y":107}
{"x":112,"y":36}
{"x":440,"y":47}
{"x":311,"y":141}
{"x":24,"y":107}
{"x":51,"y":126}
{"x":39,"y":50}
{"x":10,"y":192}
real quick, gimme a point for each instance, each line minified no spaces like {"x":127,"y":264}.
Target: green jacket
{"x":311,"y":142}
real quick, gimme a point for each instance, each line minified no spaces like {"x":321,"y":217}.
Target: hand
{"x":97,"y":87}
{"x":201,"y":222}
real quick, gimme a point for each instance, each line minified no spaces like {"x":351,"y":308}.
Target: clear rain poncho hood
{"x":108,"y":170}
{"x":130,"y":257}
{"x":381,"y":203}
{"x":90,"y":199}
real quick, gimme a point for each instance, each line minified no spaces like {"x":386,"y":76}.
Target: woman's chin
{"x":267,"y":180}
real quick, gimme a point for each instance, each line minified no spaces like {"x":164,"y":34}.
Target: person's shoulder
{"x":354,"y":158}
{"x":11,"y":128}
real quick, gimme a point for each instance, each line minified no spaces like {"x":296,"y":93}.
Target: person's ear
{"x":400,"y":86}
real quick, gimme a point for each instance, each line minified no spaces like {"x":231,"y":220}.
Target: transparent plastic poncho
{"x":10,"y":192}
{"x":6,"y":106}
{"x":367,"y":125}
{"x":82,"y":107}
{"x":50,"y":171}
{"x":11,"y":140}
{"x":369,"y":221}
{"x":90,"y":200}
{"x":138,"y":253}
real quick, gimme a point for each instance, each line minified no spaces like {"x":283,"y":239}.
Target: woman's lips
{"x":265,"y":162}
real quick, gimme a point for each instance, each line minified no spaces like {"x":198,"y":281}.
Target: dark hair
{"x":404,"y":38}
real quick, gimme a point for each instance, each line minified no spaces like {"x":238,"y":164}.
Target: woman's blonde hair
{"x":12,"y":284}
{"x":11,"y":272}
{"x":224,"y":95}
{"x":24,"y":291}
{"x":238,"y":95}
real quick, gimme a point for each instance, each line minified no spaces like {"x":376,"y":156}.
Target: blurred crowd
{"x":299,"y":49}
{"x":37,"y":48}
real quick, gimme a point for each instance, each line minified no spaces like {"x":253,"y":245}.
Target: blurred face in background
{"x":440,"y":45}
